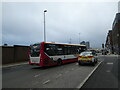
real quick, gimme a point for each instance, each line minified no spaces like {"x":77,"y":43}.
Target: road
{"x":106,"y":76}
{"x":26,"y":76}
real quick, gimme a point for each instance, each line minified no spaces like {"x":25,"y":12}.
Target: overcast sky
{"x":22,"y":22}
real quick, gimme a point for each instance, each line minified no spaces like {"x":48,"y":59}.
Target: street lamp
{"x":70,"y":40}
{"x":44,"y":27}
{"x":79,"y":38}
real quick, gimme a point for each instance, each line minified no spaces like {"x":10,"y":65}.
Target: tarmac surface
{"x":107,"y":75}
{"x":65,"y":76}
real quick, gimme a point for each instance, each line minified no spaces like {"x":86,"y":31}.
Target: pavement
{"x":13,"y":64}
{"x":65,"y":76}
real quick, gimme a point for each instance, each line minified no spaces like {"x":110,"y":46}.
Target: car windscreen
{"x":86,"y":54}
{"x":35,"y":50}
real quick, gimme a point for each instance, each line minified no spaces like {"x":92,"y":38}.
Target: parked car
{"x":87,"y":57}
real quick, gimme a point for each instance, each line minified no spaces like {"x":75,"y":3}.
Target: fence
{"x":13,"y":54}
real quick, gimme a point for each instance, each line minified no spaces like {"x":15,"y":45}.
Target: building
{"x":85,"y":43}
{"x":88,"y":45}
{"x":109,"y":42}
{"x":116,"y":34}
{"x":113,"y":37}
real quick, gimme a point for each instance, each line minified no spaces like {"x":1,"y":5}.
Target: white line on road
{"x":46,"y":82}
{"x":108,"y":71}
{"x":109,"y":62}
{"x":37,"y":75}
{"x":72,"y":69}
{"x":81,"y":84}
{"x":59,"y":76}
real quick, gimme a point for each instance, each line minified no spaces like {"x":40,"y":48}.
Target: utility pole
{"x":79,"y":38}
{"x":70,"y":40}
{"x":44,"y":27}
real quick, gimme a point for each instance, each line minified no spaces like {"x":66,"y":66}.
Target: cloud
{"x":23,"y":22}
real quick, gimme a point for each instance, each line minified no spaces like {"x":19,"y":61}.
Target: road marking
{"x":59,"y":76}
{"x":37,"y":75}
{"x":108,"y":71}
{"x":72,"y":69}
{"x":109,"y":62}
{"x":46,"y":82}
{"x":66,"y":71}
{"x":81,"y":84}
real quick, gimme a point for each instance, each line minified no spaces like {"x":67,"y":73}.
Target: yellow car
{"x":87,"y":57}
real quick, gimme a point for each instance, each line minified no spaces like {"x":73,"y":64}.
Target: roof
{"x":86,"y":52}
{"x":65,"y":44}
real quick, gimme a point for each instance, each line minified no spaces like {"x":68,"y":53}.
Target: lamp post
{"x":44,"y":26}
{"x":79,"y":38}
{"x":70,"y":40}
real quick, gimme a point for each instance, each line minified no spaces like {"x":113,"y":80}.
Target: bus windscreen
{"x":35,"y":50}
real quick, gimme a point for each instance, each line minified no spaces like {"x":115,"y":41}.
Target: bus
{"x":49,"y":54}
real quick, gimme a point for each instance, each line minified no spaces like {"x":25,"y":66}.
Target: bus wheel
{"x":59,"y":62}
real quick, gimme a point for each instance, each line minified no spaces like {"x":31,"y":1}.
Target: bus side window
{"x":65,"y":49}
{"x":73,"y":50}
{"x":68,"y":51}
{"x":49,"y":49}
{"x":77,"y":50}
{"x":60,"y":50}
{"x":52,"y":50}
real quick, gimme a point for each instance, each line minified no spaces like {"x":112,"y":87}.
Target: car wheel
{"x":93,"y":63}
{"x":82,"y":63}
{"x":96,"y":61}
{"x":79,"y":62}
